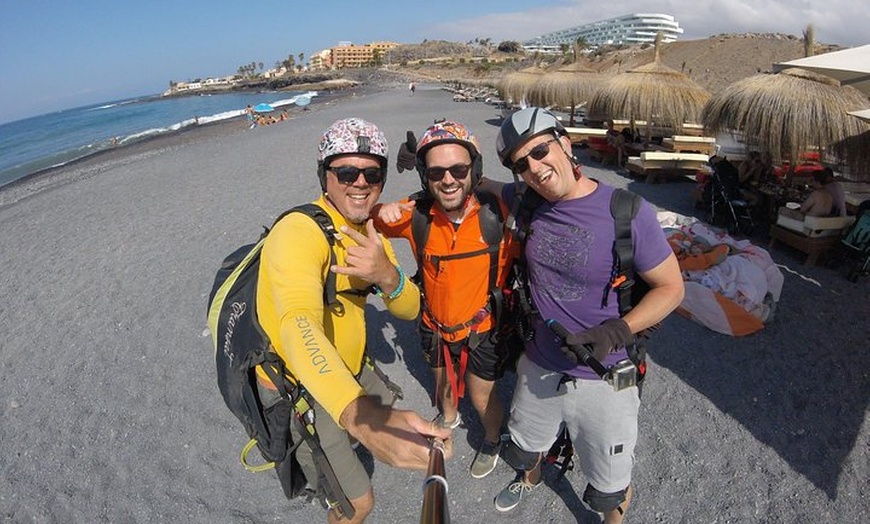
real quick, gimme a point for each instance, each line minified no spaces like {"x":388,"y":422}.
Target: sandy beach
{"x":111,"y":413}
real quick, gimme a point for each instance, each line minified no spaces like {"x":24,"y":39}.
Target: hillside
{"x":713,"y":62}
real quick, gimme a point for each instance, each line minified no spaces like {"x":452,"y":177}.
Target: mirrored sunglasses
{"x":350,"y":174}
{"x":521,"y":165}
{"x":458,"y":171}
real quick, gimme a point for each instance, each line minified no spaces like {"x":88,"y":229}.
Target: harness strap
{"x":392,"y":386}
{"x":456,"y":379}
{"x":624,"y":206}
{"x":436,"y":259}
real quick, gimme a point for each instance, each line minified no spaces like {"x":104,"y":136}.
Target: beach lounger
{"x":692,"y":129}
{"x":815,"y":236}
{"x":691,"y":144}
{"x":580,"y":135}
{"x":661,"y":164}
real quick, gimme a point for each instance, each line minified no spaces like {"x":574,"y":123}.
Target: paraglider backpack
{"x":241,"y":344}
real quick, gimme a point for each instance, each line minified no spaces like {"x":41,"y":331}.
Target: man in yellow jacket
{"x":324,"y":348}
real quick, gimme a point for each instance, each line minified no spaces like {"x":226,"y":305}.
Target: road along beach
{"x":110,"y":410}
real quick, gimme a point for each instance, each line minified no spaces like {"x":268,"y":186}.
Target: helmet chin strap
{"x":575,"y":167}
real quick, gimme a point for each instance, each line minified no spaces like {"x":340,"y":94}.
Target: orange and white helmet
{"x":449,"y":132}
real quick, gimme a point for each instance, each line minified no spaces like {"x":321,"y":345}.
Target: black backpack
{"x":241,"y":345}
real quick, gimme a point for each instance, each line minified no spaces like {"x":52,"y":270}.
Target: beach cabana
{"x":789,"y":113}
{"x":655,"y":93}
{"x":567,"y":88}
{"x":515,"y":87}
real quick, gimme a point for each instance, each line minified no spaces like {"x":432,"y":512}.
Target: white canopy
{"x":850,"y":66}
{"x":863,"y":114}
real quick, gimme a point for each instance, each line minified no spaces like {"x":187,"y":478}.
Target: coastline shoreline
{"x":97,"y":161}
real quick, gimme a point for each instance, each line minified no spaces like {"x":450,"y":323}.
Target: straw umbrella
{"x":789,"y":112}
{"x":653,"y":92}
{"x":566,"y":87}
{"x":515,"y":86}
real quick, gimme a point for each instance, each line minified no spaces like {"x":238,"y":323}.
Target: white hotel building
{"x":626,"y":29}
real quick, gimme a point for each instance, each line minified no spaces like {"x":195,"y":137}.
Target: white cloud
{"x":841,"y":22}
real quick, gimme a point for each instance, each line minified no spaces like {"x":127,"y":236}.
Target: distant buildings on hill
{"x":348,"y":55}
{"x":627,"y":29}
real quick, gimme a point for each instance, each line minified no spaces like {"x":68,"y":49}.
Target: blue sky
{"x":57,"y":55}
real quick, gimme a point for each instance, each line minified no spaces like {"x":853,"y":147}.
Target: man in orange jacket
{"x":458,"y":269}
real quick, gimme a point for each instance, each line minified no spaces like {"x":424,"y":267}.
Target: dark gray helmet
{"x":523,"y":125}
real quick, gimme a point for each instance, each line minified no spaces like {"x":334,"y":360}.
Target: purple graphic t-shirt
{"x":569,"y":254}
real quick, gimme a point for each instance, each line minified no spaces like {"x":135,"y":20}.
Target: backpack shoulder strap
{"x":491,"y":221}
{"x":323,"y":220}
{"x":525,"y":202}
{"x":491,"y":217}
{"x":624,"y":206}
{"x":421,"y":221}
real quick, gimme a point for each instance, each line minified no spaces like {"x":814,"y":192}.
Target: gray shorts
{"x":335,"y":441}
{"x":602,"y":422}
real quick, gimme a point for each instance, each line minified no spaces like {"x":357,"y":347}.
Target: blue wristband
{"x":396,"y":292}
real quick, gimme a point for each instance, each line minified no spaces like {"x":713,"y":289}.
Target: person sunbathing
{"x":820,"y":203}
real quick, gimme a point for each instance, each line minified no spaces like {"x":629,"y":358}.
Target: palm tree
{"x":809,"y":41}
{"x":579,"y":45}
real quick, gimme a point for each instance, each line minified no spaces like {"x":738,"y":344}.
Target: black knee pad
{"x":519,"y":459}
{"x":602,"y":502}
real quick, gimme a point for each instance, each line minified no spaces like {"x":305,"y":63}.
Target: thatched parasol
{"x":567,"y":87}
{"x":515,"y":87}
{"x":790,"y":112}
{"x":653,"y":92}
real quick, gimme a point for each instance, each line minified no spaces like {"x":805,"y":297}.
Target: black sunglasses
{"x":521,"y":165}
{"x":458,"y":171}
{"x":350,"y":174}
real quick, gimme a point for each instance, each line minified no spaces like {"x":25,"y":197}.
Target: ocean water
{"x":54,"y":139}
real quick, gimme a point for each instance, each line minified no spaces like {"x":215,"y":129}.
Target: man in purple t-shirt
{"x":569,"y":258}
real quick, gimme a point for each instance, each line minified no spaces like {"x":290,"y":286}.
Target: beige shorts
{"x":351,"y":474}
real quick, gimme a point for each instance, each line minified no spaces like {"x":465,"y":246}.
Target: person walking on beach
{"x":462,"y":271}
{"x":249,"y":116}
{"x":412,"y":87}
{"x":569,"y":254}
{"x":325,"y":349}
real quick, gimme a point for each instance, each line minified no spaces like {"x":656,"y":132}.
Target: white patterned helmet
{"x":351,"y":136}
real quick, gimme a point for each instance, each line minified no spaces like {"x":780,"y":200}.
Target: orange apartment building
{"x":348,"y":55}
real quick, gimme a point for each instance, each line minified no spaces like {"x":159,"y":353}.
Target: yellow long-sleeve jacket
{"x":323,"y":349}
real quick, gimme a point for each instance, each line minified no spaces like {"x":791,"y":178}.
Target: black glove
{"x":608,"y":336}
{"x":407,"y":157}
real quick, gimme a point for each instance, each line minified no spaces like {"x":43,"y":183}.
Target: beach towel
{"x":732,"y":286}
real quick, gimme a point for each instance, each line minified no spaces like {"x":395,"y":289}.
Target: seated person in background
{"x":818,"y":204}
{"x":616,"y":140}
{"x":837,"y":193}
{"x":768,"y":174}
{"x":749,"y":175}
{"x":750,"y":169}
